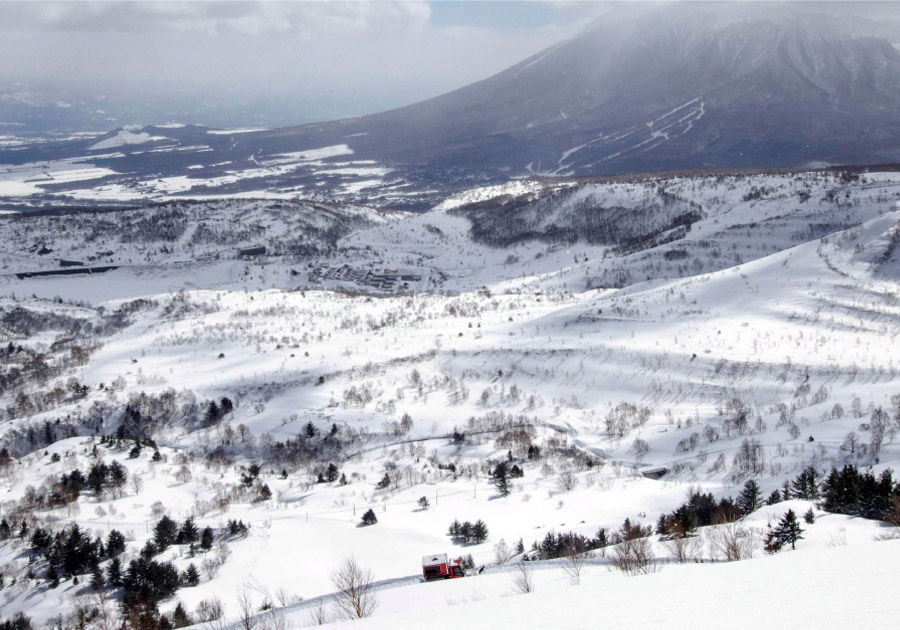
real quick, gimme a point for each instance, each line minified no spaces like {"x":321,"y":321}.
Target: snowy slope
{"x":834,"y":588}
{"x":792,"y":327}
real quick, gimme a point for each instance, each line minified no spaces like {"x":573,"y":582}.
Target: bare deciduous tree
{"x":502,"y":552}
{"x":567,"y":482}
{"x":731,"y":542}
{"x":210,"y":567}
{"x":318,"y":613}
{"x":210,"y":610}
{"x":247,"y":618}
{"x":274,"y":619}
{"x":684,"y":548}
{"x":634,"y":557}
{"x":574,"y":565}
{"x":355,"y":597}
{"x":893,"y":516}
{"x":523,"y":581}
{"x":105,"y":617}
{"x":137,"y":483}
{"x":286,"y":598}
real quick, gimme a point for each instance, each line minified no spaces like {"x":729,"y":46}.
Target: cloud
{"x":303,"y":19}
{"x":357,"y":57}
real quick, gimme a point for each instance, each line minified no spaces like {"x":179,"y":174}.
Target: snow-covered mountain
{"x":698,"y":86}
{"x":689,"y":86}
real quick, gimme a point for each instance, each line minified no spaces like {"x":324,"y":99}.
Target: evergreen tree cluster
{"x":120,"y":439}
{"x":214,"y":412}
{"x":750,"y":498}
{"x":501,"y":477}
{"x":468,"y":533}
{"x":369,"y":518}
{"x":149,"y":582}
{"x":845,"y":491}
{"x":849,"y":491}
{"x":100,"y":476}
{"x":700,"y":510}
{"x":806,"y":485}
{"x":146,"y":413}
{"x":66,"y":490}
{"x":237,"y":528}
{"x":167,"y":532}
{"x":263,"y":492}
{"x":19,"y":621}
{"x":311,"y":445}
{"x":253,"y":471}
{"x":71,"y":552}
{"x":565,"y":544}
{"x":628,"y":531}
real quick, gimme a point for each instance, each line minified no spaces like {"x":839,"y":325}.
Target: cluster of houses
{"x":383,"y":279}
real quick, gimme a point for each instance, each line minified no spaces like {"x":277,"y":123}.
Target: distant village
{"x":389,"y":280}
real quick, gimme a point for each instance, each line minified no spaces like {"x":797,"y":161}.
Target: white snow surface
{"x":799,"y":326}
{"x":831,"y":589}
{"x":125,"y":137}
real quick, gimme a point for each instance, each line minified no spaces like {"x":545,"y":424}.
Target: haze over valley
{"x":591,"y":322}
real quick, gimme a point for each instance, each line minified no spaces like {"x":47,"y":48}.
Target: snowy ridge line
{"x":672,"y":462}
{"x":271,"y":389}
{"x":408,"y":580}
{"x":448,"y":436}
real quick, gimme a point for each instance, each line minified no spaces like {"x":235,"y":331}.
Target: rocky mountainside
{"x":671,"y":89}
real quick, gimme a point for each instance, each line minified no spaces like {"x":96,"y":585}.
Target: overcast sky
{"x":367,"y":55}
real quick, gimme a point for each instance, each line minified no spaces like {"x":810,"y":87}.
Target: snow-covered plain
{"x":781,"y":300}
{"x":124,"y":137}
{"x":277,"y":176}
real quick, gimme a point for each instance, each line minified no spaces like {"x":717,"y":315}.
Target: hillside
{"x":688,"y":86}
{"x":545,"y":326}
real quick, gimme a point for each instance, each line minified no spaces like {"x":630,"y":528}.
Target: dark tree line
{"x":849,"y":491}
{"x":468,"y":533}
{"x":216,"y":411}
{"x":100,"y":476}
{"x":564,"y":217}
{"x":845,"y":491}
{"x":700,"y":510}
{"x":71,"y":552}
{"x":19,"y":621}
{"x":311,"y":445}
{"x":167,"y":532}
{"x":146,"y":413}
{"x":565,"y":544}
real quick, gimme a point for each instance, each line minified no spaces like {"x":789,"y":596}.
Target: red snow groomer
{"x":438,"y":567}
